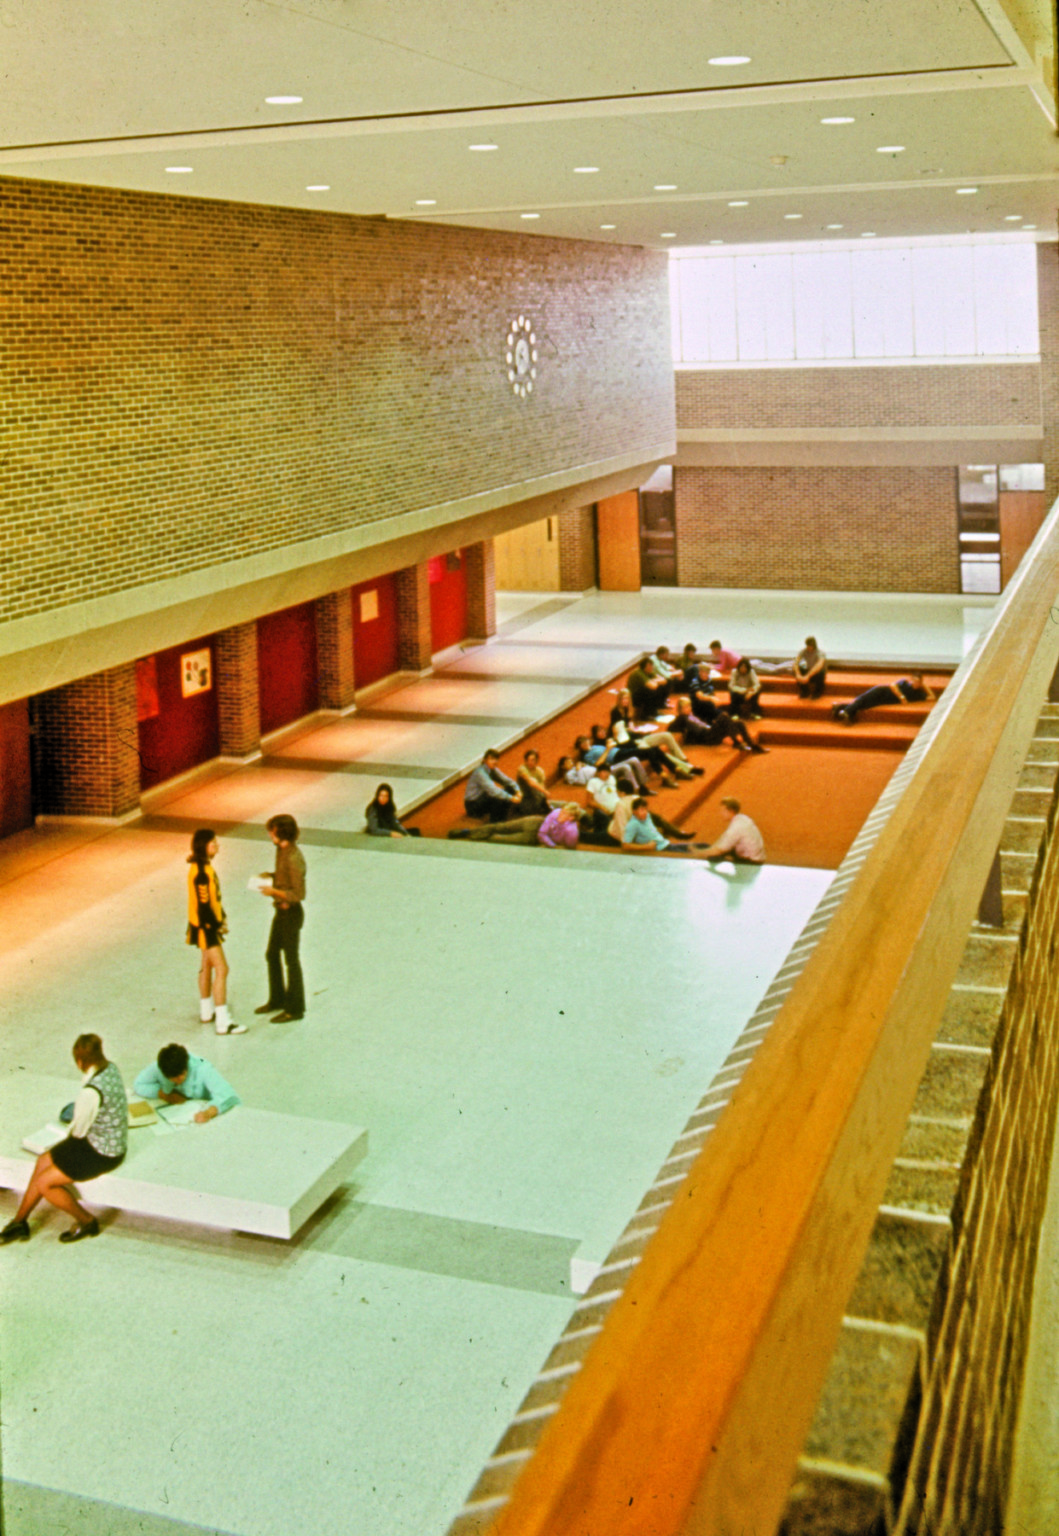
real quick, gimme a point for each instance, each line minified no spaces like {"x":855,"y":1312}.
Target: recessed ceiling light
{"x":834,"y":121}
{"x":1012,"y":218}
{"x":739,"y":203}
{"x":716,"y":242}
{"x":529,"y":215}
{"x":585,"y":170}
{"x":426,"y":202}
{"x":665,"y":186}
{"x":179,"y":170}
{"x":836,"y":226}
{"x":283,"y":101}
{"x":724,"y":59}
{"x":608,"y":226}
{"x":966,"y":191}
{"x":867,"y":234}
{"x":483,"y":147}
{"x":318,"y":186}
{"x":668,"y":234}
{"x":890,"y":149}
{"x":1029,"y":226}
{"x":792,"y":215}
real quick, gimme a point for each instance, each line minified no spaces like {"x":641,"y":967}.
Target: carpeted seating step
{"x":819,"y":712}
{"x":844,"y":684}
{"x":795,"y":733}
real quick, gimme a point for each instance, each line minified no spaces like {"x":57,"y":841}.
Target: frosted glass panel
{"x":720,"y":294}
{"x":881,"y":302}
{"x":694,"y":319}
{"x":676,"y":270}
{"x":823,"y":305}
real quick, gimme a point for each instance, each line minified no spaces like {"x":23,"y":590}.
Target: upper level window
{"x":944,"y":301}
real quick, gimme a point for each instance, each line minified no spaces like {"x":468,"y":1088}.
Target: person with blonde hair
{"x":96,"y":1145}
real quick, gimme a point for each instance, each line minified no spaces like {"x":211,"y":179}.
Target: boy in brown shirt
{"x":287,"y":891}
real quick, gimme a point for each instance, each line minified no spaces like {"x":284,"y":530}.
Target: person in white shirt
{"x":612,"y":810}
{"x":740,"y":839}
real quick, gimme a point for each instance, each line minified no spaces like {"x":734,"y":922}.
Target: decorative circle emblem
{"x":521,"y":357}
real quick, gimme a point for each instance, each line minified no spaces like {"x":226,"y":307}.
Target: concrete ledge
{"x":250,"y":1170}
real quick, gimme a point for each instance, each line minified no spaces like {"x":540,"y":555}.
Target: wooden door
{"x":618,"y":528}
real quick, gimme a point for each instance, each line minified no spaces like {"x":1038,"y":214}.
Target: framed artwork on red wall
{"x":196,"y":673}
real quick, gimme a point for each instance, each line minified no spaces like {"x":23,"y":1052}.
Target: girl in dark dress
{"x":207,"y":926}
{"x":381,"y":816}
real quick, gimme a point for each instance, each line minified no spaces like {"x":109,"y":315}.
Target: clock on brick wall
{"x":521,"y":354}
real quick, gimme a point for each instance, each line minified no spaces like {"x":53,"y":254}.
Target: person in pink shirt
{"x":560,"y":828}
{"x":721,"y":659}
{"x":740,"y":839}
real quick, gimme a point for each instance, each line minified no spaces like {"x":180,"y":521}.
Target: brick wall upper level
{"x":189,"y":383}
{"x":945,"y":395}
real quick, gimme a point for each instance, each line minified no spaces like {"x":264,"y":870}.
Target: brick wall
{"x":980,"y":394}
{"x":480,"y":562}
{"x":879,"y":530}
{"x":190,"y":382}
{"x":88,"y":746}
{"x":238,"y":699}
{"x":334,"y":650}
{"x":414,"y":641}
{"x":577,"y":550}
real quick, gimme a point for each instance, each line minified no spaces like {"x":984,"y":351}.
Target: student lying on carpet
{"x":559,"y":829}
{"x":906,"y":690}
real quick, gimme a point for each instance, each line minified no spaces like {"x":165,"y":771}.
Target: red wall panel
{"x":184,"y":731}
{"x":16,"y":796}
{"x":286,"y":658}
{"x":448,"y":600}
{"x":375,"y":640}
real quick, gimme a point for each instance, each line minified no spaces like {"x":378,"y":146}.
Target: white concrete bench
{"x":247,"y":1171}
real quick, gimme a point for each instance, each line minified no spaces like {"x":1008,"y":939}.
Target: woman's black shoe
{"x":15,"y":1232}
{"x":84,"y":1229}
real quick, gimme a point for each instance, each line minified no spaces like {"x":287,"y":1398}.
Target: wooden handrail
{"x":691,"y":1409}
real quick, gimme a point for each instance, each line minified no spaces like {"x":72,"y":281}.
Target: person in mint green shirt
{"x":178,"y":1076}
{"x":640,"y":833}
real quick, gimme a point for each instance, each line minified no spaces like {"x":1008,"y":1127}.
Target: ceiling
{"x":609,"y":120}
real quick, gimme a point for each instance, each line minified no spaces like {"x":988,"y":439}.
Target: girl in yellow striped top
{"x":207,"y":926}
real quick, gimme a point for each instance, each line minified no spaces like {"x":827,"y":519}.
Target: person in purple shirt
{"x":560,"y":828}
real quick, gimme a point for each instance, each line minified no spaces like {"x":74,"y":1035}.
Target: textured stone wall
{"x":876,"y":530}
{"x":88,"y":746}
{"x":190,"y":382}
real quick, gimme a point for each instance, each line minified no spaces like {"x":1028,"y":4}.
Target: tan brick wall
{"x":191,"y":381}
{"x":577,"y":550}
{"x":973,"y":395}
{"x":480,"y":564}
{"x":414,"y":644}
{"x":88,"y":746}
{"x":238,"y":697}
{"x":334,"y":650}
{"x":879,"y":530}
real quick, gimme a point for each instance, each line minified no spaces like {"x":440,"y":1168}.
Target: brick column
{"x":577,"y":549}
{"x":414,"y":647}
{"x":334,"y":649}
{"x":480,"y":566}
{"x":238,"y":703}
{"x":88,"y":740}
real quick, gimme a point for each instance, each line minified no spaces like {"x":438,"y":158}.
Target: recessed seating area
{"x":809,"y":795}
{"x":250,"y":1170}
